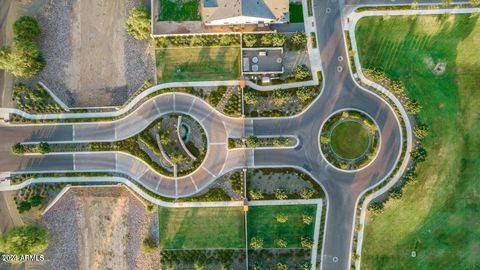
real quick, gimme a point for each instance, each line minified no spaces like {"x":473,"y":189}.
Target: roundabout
{"x":349,"y":140}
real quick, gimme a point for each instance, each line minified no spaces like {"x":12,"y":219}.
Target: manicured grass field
{"x":438,"y":215}
{"x":296,"y":12}
{"x":197,"y":64}
{"x":349,"y":139}
{"x":179,"y":10}
{"x":199,"y":228}
{"x":262,"y":224}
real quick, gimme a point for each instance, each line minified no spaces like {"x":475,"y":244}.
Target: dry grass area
{"x":99,"y":228}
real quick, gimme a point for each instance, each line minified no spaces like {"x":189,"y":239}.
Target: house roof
{"x":224,"y":9}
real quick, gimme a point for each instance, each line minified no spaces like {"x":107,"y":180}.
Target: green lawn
{"x":201,"y":228}
{"x":439,"y":214}
{"x":349,"y":139}
{"x":262,"y":224}
{"x":179,"y":10}
{"x":197,"y":64}
{"x":296,"y":12}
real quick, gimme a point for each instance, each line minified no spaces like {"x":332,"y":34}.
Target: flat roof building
{"x":262,"y":61}
{"x":240,"y":12}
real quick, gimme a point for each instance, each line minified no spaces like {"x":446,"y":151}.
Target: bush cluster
{"x":138,"y":24}
{"x":264,"y":40}
{"x":24,"y":58}
{"x":34,"y":100}
{"x":27,"y":240}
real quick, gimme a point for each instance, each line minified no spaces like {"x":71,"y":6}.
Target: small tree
{"x":412,"y":106}
{"x":28,"y":240}
{"x":306,"y":243}
{"x":281,"y":243}
{"x":24,"y":206}
{"x":446,"y":3}
{"x":301,"y":73}
{"x":18,"y":148}
{"x":43,"y":148}
{"x":177,"y":158}
{"x":26,"y":28}
{"x":306,"y":266}
{"x":250,"y":97}
{"x":138,"y":23}
{"x":278,"y":39}
{"x":256,"y":243}
{"x":281,"y":218}
{"x":474,"y":2}
{"x":249,"y":40}
{"x":307,"y":219}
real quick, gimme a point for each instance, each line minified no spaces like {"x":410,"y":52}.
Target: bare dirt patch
{"x":99,"y":228}
{"x":91,"y":60}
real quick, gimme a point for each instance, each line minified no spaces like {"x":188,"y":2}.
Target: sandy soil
{"x":97,"y":39}
{"x":99,"y":228}
{"x":91,"y":60}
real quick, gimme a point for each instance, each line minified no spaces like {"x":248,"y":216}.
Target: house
{"x":242,"y":12}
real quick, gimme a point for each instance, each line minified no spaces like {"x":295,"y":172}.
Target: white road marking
{"x":158,"y":184}
{"x":74,"y":161}
{"x":191,"y":179}
{"x":176,"y":187}
{"x":73,"y":132}
{"x":156,"y":106}
{"x":174,"y":102}
{"x":209,"y":172}
{"x":208,"y":115}
{"x":191,"y":105}
{"x":217,"y":143}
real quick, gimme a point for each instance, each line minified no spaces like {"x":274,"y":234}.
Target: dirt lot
{"x":91,"y":60}
{"x":99,"y":228}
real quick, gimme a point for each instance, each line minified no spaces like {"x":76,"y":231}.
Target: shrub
{"x":281,"y":243}
{"x":256,"y":243}
{"x":280,"y":97}
{"x":252,"y":142}
{"x":281,"y":218}
{"x":324,"y":140}
{"x":249,"y":40}
{"x":304,"y":94}
{"x":138,"y":23}
{"x":301,"y":72}
{"x":282,"y":266}
{"x":306,"y":243}
{"x":280,"y":194}
{"x":36,"y":200}
{"x":307,"y":219}
{"x":26,"y":28}
{"x":18,"y":148}
{"x":376,"y":207}
{"x":421,"y":131}
{"x":251,"y":97}
{"x":43,"y":148}
{"x":306,"y":193}
{"x":149,"y":246}
{"x":298,"y":41}
{"x":24,"y":206}
{"x":255,"y":195}
{"x":28,"y":240}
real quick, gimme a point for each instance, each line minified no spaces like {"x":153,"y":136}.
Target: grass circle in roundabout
{"x":349,"y":140}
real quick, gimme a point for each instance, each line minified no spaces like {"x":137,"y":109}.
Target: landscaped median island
{"x":281,"y":184}
{"x":349,"y":140}
{"x":281,"y":234}
{"x":173,"y":144}
{"x":435,"y":214}
{"x":261,"y":142}
{"x":212,"y":236}
{"x":280,"y":102}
